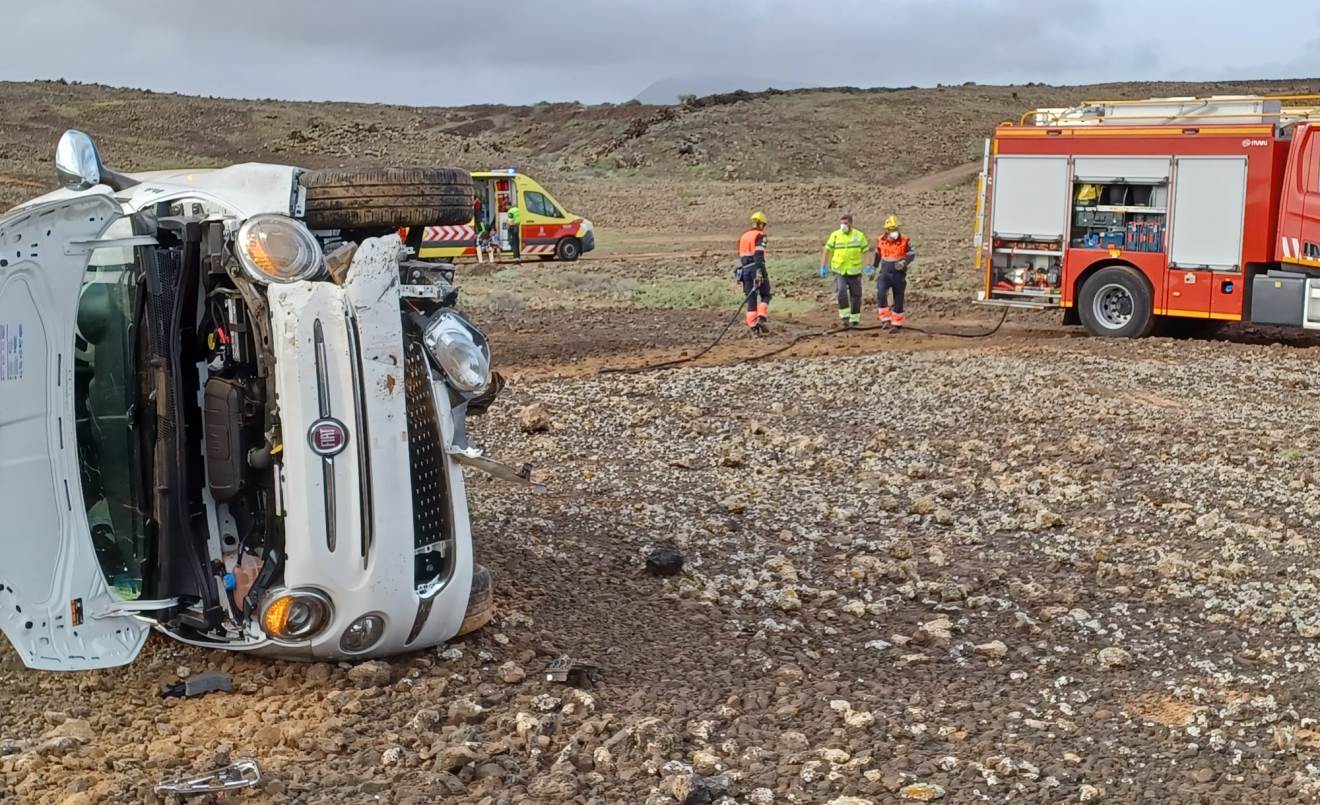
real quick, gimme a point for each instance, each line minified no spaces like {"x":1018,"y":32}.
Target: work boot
{"x":884,"y":315}
{"x":763,"y":326}
{"x":897,"y":321}
{"x":855,"y":320}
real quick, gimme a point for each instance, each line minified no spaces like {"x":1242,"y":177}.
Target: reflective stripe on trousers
{"x":848,"y":289}
{"x":890,"y":279}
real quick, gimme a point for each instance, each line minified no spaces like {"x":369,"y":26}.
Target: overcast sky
{"x":443,"y":52}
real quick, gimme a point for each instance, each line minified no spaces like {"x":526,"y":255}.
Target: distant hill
{"x":668,"y":90}
{"x":883,"y":136}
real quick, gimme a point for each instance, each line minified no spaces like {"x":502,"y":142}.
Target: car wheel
{"x":568,"y":249}
{"x":365,"y":198}
{"x":481,"y":601}
{"x":1115,"y":302}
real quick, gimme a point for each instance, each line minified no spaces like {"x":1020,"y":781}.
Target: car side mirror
{"x":77,"y":162}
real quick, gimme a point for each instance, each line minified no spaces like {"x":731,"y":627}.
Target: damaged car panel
{"x":241,"y":447}
{"x":56,"y":606}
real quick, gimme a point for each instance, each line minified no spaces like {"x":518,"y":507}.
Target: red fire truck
{"x":1129,"y":213}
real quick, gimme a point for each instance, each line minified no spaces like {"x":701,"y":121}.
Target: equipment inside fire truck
{"x":1125,"y":213}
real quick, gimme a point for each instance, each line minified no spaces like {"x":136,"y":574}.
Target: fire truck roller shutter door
{"x":1126,"y":170}
{"x":1209,"y":199}
{"x":1031,"y":197}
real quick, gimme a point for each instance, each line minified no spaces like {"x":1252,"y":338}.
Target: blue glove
{"x":824,"y":270}
{"x":869,"y":271}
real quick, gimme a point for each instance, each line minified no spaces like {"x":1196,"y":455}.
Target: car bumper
{"x":353,"y":521}
{"x":588,"y":241}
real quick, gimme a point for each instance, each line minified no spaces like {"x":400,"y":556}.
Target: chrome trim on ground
{"x":423,"y":612}
{"x":327,"y":462}
{"x":363,"y":445}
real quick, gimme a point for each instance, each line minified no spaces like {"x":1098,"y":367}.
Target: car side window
{"x":537,"y":203}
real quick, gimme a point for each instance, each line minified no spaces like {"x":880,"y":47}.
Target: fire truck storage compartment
{"x":1209,"y":200}
{"x":1120,"y":202}
{"x":1029,"y":270}
{"x":1030,"y":214}
{"x":1031,"y":197}
{"x":1280,"y":297}
{"x":1311,"y":316}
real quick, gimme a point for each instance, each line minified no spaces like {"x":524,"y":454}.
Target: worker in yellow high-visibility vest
{"x":843,"y":257}
{"x":515,"y":230}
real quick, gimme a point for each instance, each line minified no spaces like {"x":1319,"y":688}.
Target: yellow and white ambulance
{"x":547,"y":230}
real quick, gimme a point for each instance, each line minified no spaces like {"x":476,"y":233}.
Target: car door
{"x":1308,"y":241}
{"x":543,"y":221}
{"x":56,"y":607}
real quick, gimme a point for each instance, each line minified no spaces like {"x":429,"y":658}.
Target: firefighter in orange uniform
{"x":893,"y":255}
{"x":751,"y":273}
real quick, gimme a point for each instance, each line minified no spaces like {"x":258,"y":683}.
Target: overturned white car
{"x":208,"y":428}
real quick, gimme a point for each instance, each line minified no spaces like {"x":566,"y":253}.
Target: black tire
{"x":366,"y":198}
{"x":568,"y":249}
{"x":1116,"y":302}
{"x":481,"y":601}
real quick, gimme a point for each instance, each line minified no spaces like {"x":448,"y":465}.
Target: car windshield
{"x":105,"y":399}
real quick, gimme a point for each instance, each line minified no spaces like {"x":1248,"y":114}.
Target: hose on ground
{"x":652,"y":367}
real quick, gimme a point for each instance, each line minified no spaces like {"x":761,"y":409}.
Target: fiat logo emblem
{"x":328,"y":437}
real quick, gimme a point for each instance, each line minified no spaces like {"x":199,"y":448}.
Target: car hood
{"x":243,"y":190}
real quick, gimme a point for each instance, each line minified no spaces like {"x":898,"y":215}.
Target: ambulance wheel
{"x":363,"y":198}
{"x":481,"y":601}
{"x":1116,"y":302}
{"x":568,"y":249}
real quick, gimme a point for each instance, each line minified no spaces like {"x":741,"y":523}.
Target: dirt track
{"x":1031,"y":568}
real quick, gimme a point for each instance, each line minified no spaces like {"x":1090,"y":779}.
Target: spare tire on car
{"x":370,"y":198}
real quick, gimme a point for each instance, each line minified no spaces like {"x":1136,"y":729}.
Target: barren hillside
{"x":872,"y":136}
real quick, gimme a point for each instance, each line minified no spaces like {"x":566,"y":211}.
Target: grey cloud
{"x":429,"y":52}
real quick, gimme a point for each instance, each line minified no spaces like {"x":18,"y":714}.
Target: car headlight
{"x":296,"y":615}
{"x":459,"y":349}
{"x":362,"y":634}
{"x":276,"y":248}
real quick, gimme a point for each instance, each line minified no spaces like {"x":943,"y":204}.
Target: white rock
{"x":512,"y":673}
{"x":922,"y":792}
{"x":705,"y":763}
{"x":761,"y":796}
{"x":859,"y":718}
{"x":1114,"y":657}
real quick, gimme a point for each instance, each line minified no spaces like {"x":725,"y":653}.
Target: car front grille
{"x":432,"y":537}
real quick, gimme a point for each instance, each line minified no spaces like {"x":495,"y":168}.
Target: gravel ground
{"x":1070,"y":570}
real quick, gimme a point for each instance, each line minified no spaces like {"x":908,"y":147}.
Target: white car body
{"x":348,"y":523}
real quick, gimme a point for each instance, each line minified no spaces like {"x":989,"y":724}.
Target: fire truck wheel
{"x":363,"y":198}
{"x":1115,"y":302}
{"x":569,"y":249}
